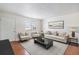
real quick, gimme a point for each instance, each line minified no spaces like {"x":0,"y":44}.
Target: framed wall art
{"x":56,"y":24}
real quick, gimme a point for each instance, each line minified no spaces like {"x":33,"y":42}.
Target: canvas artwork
{"x":56,"y":24}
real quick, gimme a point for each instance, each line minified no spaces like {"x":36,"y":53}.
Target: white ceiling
{"x":40,"y":10}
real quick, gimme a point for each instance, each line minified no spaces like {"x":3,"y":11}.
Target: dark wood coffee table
{"x":47,"y":43}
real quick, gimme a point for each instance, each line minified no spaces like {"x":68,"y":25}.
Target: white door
{"x":7,"y":29}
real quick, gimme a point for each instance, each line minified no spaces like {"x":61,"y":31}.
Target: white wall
{"x":16,"y":22}
{"x":69,"y":20}
{"x":7,"y":27}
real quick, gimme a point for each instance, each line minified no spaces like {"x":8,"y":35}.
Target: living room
{"x":28,"y":22}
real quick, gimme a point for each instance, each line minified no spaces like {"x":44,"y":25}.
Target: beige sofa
{"x":23,"y":36}
{"x":35,"y":34}
{"x":58,"y":36}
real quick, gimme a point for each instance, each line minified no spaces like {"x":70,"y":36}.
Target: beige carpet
{"x":35,"y":49}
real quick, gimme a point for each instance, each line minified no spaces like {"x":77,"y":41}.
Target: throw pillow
{"x":26,"y":33}
{"x":57,"y":34}
{"x":49,"y":32}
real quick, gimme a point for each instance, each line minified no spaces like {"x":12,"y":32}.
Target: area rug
{"x":35,"y":49}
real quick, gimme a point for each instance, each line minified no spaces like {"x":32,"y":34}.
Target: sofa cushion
{"x":53,"y":36}
{"x":50,"y":33}
{"x":57,"y":38}
{"x":62,"y":34}
{"x":22,"y":34}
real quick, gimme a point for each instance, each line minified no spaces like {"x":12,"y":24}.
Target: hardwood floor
{"x":72,"y":49}
{"x":19,"y":50}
